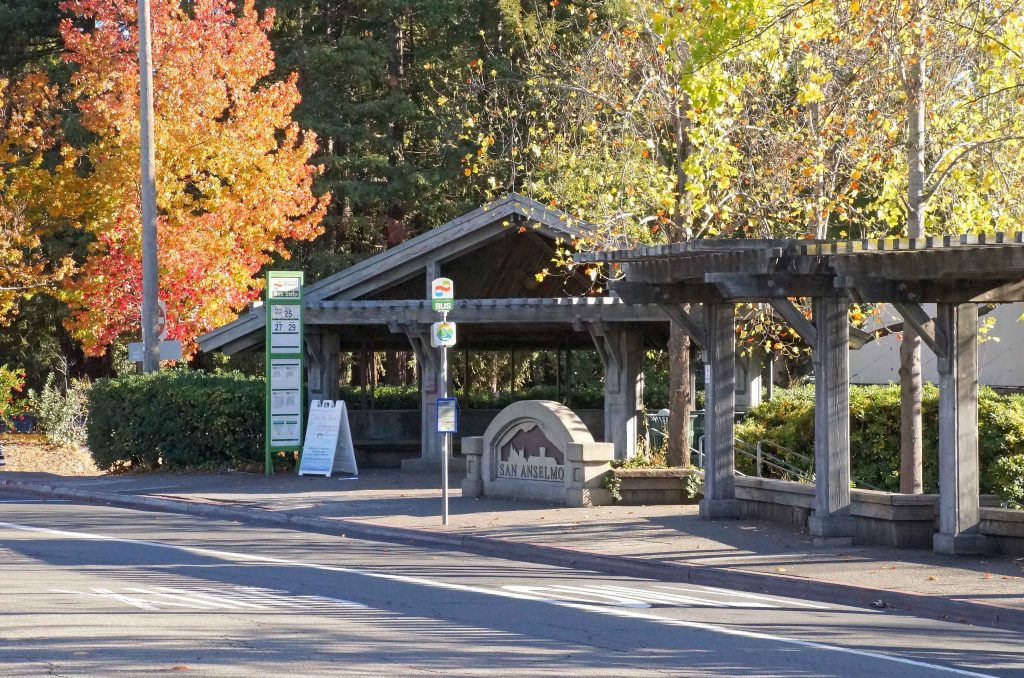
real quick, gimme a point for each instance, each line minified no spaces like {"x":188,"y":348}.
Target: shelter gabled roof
{"x":439,"y":245}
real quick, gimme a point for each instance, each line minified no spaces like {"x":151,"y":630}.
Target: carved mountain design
{"x":532,"y":442}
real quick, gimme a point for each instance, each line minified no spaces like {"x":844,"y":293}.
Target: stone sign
{"x":537,"y":449}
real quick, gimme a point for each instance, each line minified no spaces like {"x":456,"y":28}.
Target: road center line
{"x":498,"y":593}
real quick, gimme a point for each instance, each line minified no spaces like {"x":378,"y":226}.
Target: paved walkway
{"x":665,"y":536}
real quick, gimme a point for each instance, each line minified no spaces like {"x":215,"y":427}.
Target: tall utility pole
{"x":150,"y":283}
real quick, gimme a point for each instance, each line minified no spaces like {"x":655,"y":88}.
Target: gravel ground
{"x":32,"y":452}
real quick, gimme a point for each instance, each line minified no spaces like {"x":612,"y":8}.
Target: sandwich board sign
{"x":285,"y":363}
{"x":328,"y":445}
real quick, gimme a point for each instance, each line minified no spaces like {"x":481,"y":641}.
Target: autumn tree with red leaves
{"x":29,"y":210}
{"x":234,"y":181}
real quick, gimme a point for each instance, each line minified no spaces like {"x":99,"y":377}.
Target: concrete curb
{"x":914,"y":604}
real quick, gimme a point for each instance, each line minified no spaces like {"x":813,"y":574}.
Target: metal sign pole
{"x":443,"y":393}
{"x":442,"y":335}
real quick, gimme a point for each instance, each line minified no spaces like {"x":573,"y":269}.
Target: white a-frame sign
{"x":328,"y":447}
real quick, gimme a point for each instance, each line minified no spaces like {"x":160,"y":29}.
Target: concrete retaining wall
{"x":1004,"y":529}
{"x":899,"y":520}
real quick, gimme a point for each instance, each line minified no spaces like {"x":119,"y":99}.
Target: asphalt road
{"x":92,"y":590}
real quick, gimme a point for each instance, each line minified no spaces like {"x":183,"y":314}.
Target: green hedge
{"x":408,"y":397}
{"x":788,"y":420}
{"x":177,"y":419}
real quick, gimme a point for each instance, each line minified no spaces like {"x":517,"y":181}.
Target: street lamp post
{"x":150,"y":283}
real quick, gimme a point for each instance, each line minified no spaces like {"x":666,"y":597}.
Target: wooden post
{"x":831,"y":522}
{"x":719,"y":413}
{"x":322,"y":382}
{"x":620,"y":350}
{"x":959,"y":512}
{"x":428,"y":360}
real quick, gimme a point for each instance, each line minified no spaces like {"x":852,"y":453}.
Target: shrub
{"x":62,"y":413}
{"x":408,"y":397}
{"x":11,"y":382}
{"x":177,"y":419}
{"x":788,"y":420}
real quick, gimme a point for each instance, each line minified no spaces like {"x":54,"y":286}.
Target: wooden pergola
{"x":956,"y":273}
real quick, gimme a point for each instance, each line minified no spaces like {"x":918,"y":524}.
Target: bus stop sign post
{"x":442,"y":335}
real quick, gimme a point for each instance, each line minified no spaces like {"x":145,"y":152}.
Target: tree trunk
{"x":911,"y":453}
{"x":394,"y":370}
{"x":911,"y":476}
{"x":398,"y":55}
{"x":679,"y":397}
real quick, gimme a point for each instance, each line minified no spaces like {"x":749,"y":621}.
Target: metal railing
{"x":764,"y":459}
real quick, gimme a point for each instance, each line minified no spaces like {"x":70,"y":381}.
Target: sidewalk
{"x":667,"y":542}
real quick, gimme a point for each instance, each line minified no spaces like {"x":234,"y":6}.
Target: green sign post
{"x":285,"y":364}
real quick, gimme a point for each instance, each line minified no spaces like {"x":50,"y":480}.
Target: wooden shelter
{"x":956,"y":273}
{"x":492,"y":254}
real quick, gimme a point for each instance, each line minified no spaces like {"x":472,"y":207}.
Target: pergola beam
{"x":926,"y":327}
{"x":797,"y":320}
{"x":691,"y":322}
{"x":747,"y":287}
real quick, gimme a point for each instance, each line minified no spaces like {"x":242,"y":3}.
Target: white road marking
{"x":676,"y":599}
{"x":131,"y":600}
{"x":577,"y":594}
{"x":182,"y":599}
{"x":779,"y":602}
{"x":241,"y":598}
{"x":217,"y":598}
{"x":419,"y":581}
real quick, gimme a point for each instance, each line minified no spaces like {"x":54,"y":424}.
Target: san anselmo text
{"x":530,"y":471}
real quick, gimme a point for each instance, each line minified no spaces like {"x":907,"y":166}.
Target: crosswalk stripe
{"x":740,"y":594}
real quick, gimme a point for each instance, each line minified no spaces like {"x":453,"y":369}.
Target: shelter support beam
{"x":621,"y":351}
{"x":322,"y":351}
{"x":720,"y":413}
{"x":428,"y":359}
{"x":831,"y":522}
{"x":957,"y":364}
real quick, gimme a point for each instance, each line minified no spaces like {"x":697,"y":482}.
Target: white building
{"x":1001,"y":362}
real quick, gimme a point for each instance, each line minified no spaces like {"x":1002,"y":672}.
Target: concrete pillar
{"x":831,"y":522}
{"x":959,"y":513}
{"x":719,"y":413}
{"x":621,"y":351}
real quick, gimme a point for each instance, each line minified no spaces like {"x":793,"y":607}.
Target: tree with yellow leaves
{"x":31,"y":206}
